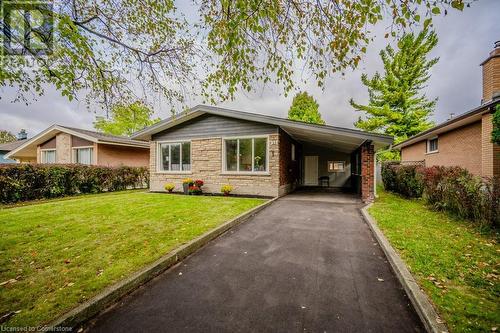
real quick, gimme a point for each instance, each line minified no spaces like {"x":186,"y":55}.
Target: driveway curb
{"x":113,"y":293}
{"x":421,"y":303}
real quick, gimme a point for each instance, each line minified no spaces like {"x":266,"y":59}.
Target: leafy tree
{"x":305,"y":108}
{"x":495,"y":134}
{"x":126,"y":119}
{"x":105,"y":49}
{"x":397,"y":105}
{"x":6,"y":136}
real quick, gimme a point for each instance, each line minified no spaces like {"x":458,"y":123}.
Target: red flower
{"x":199,"y":182}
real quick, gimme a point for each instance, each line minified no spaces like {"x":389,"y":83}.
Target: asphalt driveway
{"x":304,"y":264}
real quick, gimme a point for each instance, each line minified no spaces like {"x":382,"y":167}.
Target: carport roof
{"x":339,"y":138}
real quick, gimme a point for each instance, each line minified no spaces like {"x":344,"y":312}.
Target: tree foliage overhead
{"x":495,"y":134}
{"x":397,"y":106}
{"x":6,"y":136}
{"x":126,"y":119}
{"x":109,"y":50}
{"x":269,"y":40}
{"x":305,"y":108}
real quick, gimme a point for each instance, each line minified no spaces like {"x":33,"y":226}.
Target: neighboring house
{"x":61,"y":144}
{"x":258,"y":154}
{"x":5,"y":148}
{"x":464,"y":140}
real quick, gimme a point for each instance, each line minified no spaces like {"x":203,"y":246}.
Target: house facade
{"x":259,"y":155}
{"x":65,"y":145}
{"x":464,"y":140}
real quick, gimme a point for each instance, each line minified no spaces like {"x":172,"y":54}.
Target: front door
{"x":311,"y":170}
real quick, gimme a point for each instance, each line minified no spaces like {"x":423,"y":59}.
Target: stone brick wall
{"x":490,"y":151}
{"x":206,"y":164}
{"x":63,"y":148}
{"x":367,"y":172}
{"x":491,"y":75}
{"x":462,"y":147}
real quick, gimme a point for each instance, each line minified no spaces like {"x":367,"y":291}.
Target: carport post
{"x":367,"y":172}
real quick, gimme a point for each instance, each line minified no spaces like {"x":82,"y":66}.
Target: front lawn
{"x":452,"y":261}
{"x":55,"y":255}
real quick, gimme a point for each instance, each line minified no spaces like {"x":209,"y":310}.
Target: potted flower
{"x":199,"y":183}
{"x":186,"y":182}
{"x":169,"y":187}
{"x":226,"y":189}
{"x":194,"y":190}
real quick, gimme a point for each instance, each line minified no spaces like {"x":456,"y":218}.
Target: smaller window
{"x":293,"y":152}
{"x":49,"y":156}
{"x":84,"y":155}
{"x":432,"y":145}
{"x":336,"y":166}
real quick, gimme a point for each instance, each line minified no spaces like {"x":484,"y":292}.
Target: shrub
{"x":451,"y":189}
{"x":22,"y":182}
{"x":403,"y":179}
{"x":226,"y":189}
{"x":169,"y":187}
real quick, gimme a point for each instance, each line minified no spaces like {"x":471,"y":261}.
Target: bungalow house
{"x":61,"y":144}
{"x":259,"y":154}
{"x":464,"y":140}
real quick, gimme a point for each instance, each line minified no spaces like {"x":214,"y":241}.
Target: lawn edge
{"x":425,"y":310}
{"x":111,"y":294}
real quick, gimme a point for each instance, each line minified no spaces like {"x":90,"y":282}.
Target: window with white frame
{"x":49,"y":156}
{"x":83,"y":155}
{"x":174,"y":156}
{"x":432,"y":145}
{"x":245,"y":154}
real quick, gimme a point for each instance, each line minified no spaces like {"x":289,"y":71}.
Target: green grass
{"x":62,"y":253}
{"x":451,"y":259}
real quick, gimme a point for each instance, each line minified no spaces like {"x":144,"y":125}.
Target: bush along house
{"x":464,"y":140}
{"x":261,"y":155}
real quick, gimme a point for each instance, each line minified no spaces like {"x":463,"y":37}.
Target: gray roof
{"x":12,"y":145}
{"x":106,"y":137}
{"x":293,"y":127}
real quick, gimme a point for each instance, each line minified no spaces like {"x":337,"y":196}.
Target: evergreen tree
{"x":397,"y":105}
{"x":305,"y":108}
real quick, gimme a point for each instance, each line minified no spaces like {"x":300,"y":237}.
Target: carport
{"x":332,"y":159}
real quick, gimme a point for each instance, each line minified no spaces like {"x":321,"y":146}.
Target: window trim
{"x":428,"y":146}
{"x":333,"y":165}
{"x":237,"y":172}
{"x":171,"y":142}
{"x":45,"y":150}
{"x":73,"y":154}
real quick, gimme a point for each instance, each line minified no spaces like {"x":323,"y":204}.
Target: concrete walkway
{"x":301,"y":265}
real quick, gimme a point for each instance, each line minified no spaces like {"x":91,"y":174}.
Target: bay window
{"x":83,"y":155}
{"x":174,"y":156}
{"x":245,"y":155}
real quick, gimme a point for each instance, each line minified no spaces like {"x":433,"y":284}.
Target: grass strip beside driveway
{"x":59,"y":254}
{"x":452,"y":261}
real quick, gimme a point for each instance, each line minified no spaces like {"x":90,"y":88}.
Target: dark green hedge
{"x":22,"y":182}
{"x":451,"y":189}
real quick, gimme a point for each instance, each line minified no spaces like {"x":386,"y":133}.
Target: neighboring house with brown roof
{"x":464,"y":140}
{"x":5,"y":148}
{"x":63,"y":145}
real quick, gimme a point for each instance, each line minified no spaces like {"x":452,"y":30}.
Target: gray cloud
{"x":464,"y":42}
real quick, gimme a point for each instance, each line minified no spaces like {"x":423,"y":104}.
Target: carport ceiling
{"x":341,"y":143}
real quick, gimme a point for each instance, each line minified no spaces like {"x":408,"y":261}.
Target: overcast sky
{"x":465,"y":39}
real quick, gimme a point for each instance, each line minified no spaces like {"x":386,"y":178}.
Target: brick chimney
{"x":491,"y":75}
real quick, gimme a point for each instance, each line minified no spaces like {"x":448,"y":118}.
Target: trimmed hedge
{"x":22,"y":182}
{"x":451,"y":189}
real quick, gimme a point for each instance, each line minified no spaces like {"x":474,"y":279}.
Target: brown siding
{"x":49,"y":144}
{"x":114,"y":155}
{"x":79,"y":142}
{"x":459,"y":147}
